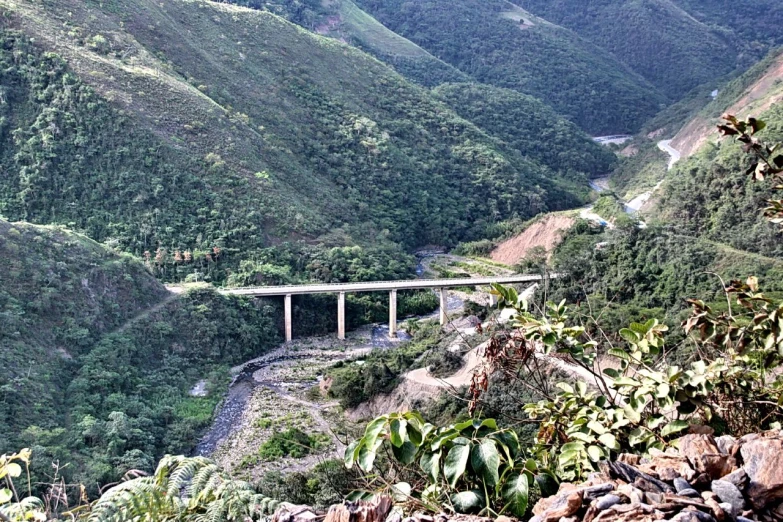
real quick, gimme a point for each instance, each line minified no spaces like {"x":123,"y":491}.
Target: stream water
{"x":231,"y":410}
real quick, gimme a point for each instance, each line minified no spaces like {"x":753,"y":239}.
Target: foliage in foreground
{"x":182,"y":489}
{"x":626,"y":399}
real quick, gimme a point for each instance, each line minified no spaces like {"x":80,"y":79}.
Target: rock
{"x":647,"y":485}
{"x":692,"y":516}
{"x":709,"y":495}
{"x":743,"y":519}
{"x":680,"y":484}
{"x":739,"y":478}
{"x":629,"y":474}
{"x":606,"y":502}
{"x":700,"y":429}
{"x":630,"y":492}
{"x":718,"y":512}
{"x":593,"y":492}
{"x":287,"y":512}
{"x":690,"y":492}
{"x":728,"y":492}
{"x":653,"y":498}
{"x":536,"y":519}
{"x":630,"y":459}
{"x":668,"y":467}
{"x":727,"y":444}
{"x":568,"y":519}
{"x":359,"y":511}
{"x":552,"y":509}
{"x":729,"y":509}
{"x":704,"y":455}
{"x":763,"y":458}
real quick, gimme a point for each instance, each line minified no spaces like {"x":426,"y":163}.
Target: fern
{"x":186,"y":489}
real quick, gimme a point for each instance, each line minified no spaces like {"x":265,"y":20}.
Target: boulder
{"x":552,"y":509}
{"x":728,"y":492}
{"x":705,"y":456}
{"x":763,"y":463}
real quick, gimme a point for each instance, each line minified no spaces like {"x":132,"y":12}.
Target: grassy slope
{"x":208,"y":96}
{"x":97,"y":356}
{"x":498,"y":43}
{"x":656,"y":38}
{"x":345,"y":21}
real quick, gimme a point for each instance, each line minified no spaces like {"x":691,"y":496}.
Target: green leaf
{"x":467,"y":501}
{"x":351,"y":453}
{"x":626,"y":381}
{"x":509,"y":441}
{"x":366,"y":455}
{"x":5,"y":495}
{"x":485,"y":460}
{"x":597,"y":427}
{"x":662,"y":390}
{"x":430,"y":464}
{"x":397,"y":432}
{"x":595,"y":453}
{"x":609,"y":440}
{"x":374,"y":429}
{"x":516,"y":492}
{"x":401,"y":491}
{"x":629,"y":335}
{"x":443,"y":438}
{"x":620,"y":354}
{"x":674,"y":427}
{"x":406,"y":453}
{"x":455,"y":463}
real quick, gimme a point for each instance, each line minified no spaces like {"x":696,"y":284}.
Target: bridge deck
{"x":377,"y":286}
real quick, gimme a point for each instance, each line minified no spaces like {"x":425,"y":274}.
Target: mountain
{"x":675,"y":44}
{"x":239,"y":134}
{"x":97,"y":356}
{"x":529,"y":126}
{"x":656,"y":38}
{"x":498,"y":43}
{"x":345,"y":21}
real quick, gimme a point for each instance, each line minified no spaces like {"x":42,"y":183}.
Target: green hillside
{"x":498,"y":43}
{"x":710,"y":196}
{"x":529,"y":126}
{"x":235,"y":136}
{"x":655,"y":38}
{"x":345,"y":21}
{"x":97,"y":357}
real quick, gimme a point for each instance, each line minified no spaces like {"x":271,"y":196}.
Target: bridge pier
{"x":289,"y":320}
{"x":444,"y":306}
{"x":493,"y":300}
{"x":341,"y":316}
{"x":393,"y":314}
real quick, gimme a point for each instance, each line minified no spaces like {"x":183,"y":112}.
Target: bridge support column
{"x":341,"y":316}
{"x":444,"y":306}
{"x":393,"y":314}
{"x":493,"y":299}
{"x":289,"y":320}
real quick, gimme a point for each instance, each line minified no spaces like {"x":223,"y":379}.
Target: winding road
{"x":674,"y":154}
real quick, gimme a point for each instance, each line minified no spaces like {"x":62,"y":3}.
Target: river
{"x":269,"y":371}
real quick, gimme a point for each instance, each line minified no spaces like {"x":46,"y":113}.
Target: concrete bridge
{"x":376,"y":286}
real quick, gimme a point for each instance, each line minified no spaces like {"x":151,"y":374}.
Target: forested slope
{"x":529,"y":126}
{"x":243,"y":131}
{"x":498,"y":43}
{"x":656,"y":38}
{"x":97,"y":357}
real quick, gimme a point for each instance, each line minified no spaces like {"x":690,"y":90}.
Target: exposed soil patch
{"x":546,"y":233}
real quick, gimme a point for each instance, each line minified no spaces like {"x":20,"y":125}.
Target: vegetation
{"x":710,"y":196}
{"x":98,"y":357}
{"x":366,"y":158}
{"x":529,"y":127}
{"x":496,"y":44}
{"x":292,"y":442}
{"x":656,"y":38}
{"x":181,"y":488}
